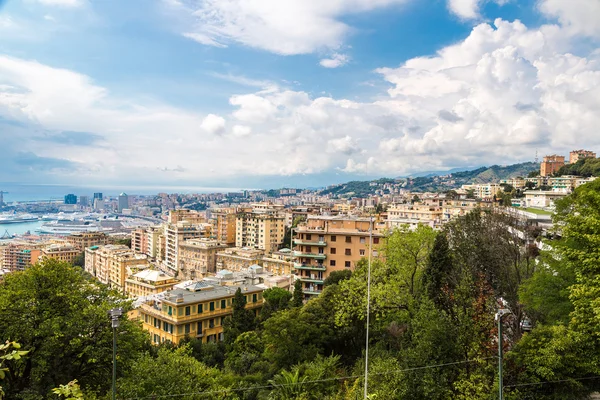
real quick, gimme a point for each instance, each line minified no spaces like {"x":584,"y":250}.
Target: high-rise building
{"x":84,"y":201}
{"x":551,"y":164}
{"x":224,"y":225}
{"x":577,"y":155}
{"x":262,"y":227}
{"x":98,"y":204}
{"x":175,"y":235}
{"x":197,"y":257}
{"x":70,"y":199}
{"x":97,"y":195}
{"x":123,"y":202}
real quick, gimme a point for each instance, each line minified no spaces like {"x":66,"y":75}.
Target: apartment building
{"x":191,"y":216}
{"x":542,"y":199}
{"x":403,"y":214}
{"x":517,"y":183}
{"x":224,"y":223}
{"x":260,"y":229}
{"x":551,"y":164}
{"x":111,"y":264}
{"x":146,"y":241}
{"x":60,"y":251}
{"x":198,"y":257}
{"x":326,"y":243}
{"x":483,"y":191}
{"x":456,"y":208}
{"x":577,"y":155}
{"x":82,"y":241}
{"x":148,"y":282}
{"x":17,"y":256}
{"x":239,"y":258}
{"x":279,"y":262}
{"x":197,"y":311}
{"x":175,"y":235}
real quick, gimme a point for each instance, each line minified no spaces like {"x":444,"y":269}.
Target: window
{"x":187,"y":328}
{"x":212,"y":306}
{"x":332,"y":250}
{"x":333,"y":238}
{"x":362,"y":240}
{"x":211,"y":323}
{"x":188,"y":310}
{"x":347,"y":264}
{"x":254,"y":298}
{"x":348,"y":239}
{"x":362,"y":252}
{"x":348,"y":252}
{"x":308,"y":237}
{"x":375,"y":240}
{"x":200,"y":327}
{"x":223,"y":304}
{"x":199,"y":308}
{"x":332,"y":263}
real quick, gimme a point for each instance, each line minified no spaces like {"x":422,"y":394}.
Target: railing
{"x":310,"y":243}
{"x":311,"y":280}
{"x":318,"y":256}
{"x":313,"y":292}
{"x":310,"y":267}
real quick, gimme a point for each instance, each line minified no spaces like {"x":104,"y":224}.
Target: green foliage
{"x":246,"y":351}
{"x":79,"y":261}
{"x":171,"y":372}
{"x":6,"y":355}
{"x":437,"y":273}
{"x":298,"y":296}
{"x":70,"y":391}
{"x":585,"y":167}
{"x":60,"y":317}
{"x":241,"y":319}
{"x":276,"y":299}
{"x":336,"y":277}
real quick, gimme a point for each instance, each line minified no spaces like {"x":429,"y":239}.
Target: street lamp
{"x":501,"y":313}
{"x":114,"y":315}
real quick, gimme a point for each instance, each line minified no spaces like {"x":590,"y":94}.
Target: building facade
{"x":177,"y":234}
{"x":551,"y":164}
{"x":260,"y":230}
{"x":111,"y":264}
{"x":239,"y":258}
{"x":60,"y":251}
{"x":82,"y":241}
{"x":577,"y":155}
{"x":198,"y":257}
{"x":148,"y":282}
{"x":224,"y":224}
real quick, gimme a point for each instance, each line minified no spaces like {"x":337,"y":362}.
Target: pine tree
{"x":241,"y":319}
{"x":298,"y":297}
{"x":437,"y":272}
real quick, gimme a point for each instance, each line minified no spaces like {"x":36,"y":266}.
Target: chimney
{"x":179,"y":298}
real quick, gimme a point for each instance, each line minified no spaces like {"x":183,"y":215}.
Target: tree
{"x":246,"y":352}
{"x":470,"y":194}
{"x":79,"y":260}
{"x":452,"y":195}
{"x":60,"y":317}
{"x":241,"y":319}
{"x":437,"y":274}
{"x":7,"y":355}
{"x":336,"y":277}
{"x":298,"y":297}
{"x":276,"y":299}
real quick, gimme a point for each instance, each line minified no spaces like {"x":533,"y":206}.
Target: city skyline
{"x":251,"y":94}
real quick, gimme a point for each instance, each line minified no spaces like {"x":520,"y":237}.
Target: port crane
{"x":2,"y":193}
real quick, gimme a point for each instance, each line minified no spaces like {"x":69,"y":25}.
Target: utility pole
{"x":114,"y":314}
{"x":501,"y":313}
{"x":368,"y":308}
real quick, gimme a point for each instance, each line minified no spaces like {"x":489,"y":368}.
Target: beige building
{"x":279,"y":262}
{"x":577,"y":155}
{"x":191,"y":216}
{"x":175,"y":235}
{"x":82,"y":241}
{"x":326,"y":244}
{"x":148,"y":282}
{"x":198,"y":257}
{"x":399,"y":214}
{"x":224,"y":223}
{"x":197,"y":311}
{"x":146,"y":241}
{"x":260,"y":229}
{"x":61,"y":251}
{"x":551,"y":164}
{"x":484,"y":191}
{"x":111,"y":264}
{"x":16,"y":256}
{"x":238,"y":258}
{"x":541,"y":198}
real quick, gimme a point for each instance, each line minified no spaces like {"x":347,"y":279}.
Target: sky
{"x":294,"y":93}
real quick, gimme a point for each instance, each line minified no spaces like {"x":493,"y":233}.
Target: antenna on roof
{"x":536,"y":156}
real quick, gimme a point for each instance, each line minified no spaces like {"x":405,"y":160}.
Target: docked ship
{"x":17,"y":218}
{"x":69,"y":227}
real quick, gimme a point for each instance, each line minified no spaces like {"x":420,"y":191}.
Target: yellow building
{"x":279,"y":263}
{"x":17,"y":256}
{"x":148,"y":282}
{"x":60,"y":251}
{"x":325,"y":244}
{"x":111,"y":264}
{"x":197,"y":257}
{"x":83,"y":240}
{"x":238,"y":258}
{"x":146,"y":241}
{"x":176,"y":234}
{"x":197,"y":311}
{"x":484,"y":191}
{"x":260,"y":231}
{"x":191,"y":216}
{"x":224,"y":225}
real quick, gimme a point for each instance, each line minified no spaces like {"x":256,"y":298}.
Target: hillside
{"x":437,"y":183}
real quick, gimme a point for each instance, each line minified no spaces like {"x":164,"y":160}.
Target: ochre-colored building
{"x":551,"y":164}
{"x":148,"y":282}
{"x":111,"y":264}
{"x":224,"y":225}
{"x":238,"y":258}
{"x":198,"y":257}
{"x":197,"y":311}
{"x":60,"y":251}
{"x":325,"y":244}
{"x":577,"y":155}
{"x":82,"y":241}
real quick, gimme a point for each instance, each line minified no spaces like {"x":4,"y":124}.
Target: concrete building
{"x":401,"y":214}
{"x":60,"y":251}
{"x":331,"y":243}
{"x":175,"y":235}
{"x":224,"y":224}
{"x":551,"y":164}
{"x":98,"y":195}
{"x":197,"y":311}
{"x":260,"y":229}
{"x":577,"y":155}
{"x":84,"y":201}
{"x":198,"y":257}
{"x":483,"y":191}
{"x":239,"y":258}
{"x":16,"y":257}
{"x":148,"y":282}
{"x":70,"y":199}
{"x":98,"y":205}
{"x":111,"y":264}
{"x":543,"y":199}
{"x":82,"y":241}
{"x":123,"y":202}
{"x":184,"y":215}
{"x":279,"y":262}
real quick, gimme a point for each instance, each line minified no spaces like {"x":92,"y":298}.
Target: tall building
{"x":175,"y":235}
{"x":123,"y":202}
{"x":326,"y":243}
{"x":262,"y":227}
{"x":84,"y":201}
{"x":551,"y":164}
{"x":224,"y":225}
{"x":191,"y":216}
{"x":98,"y":204}
{"x":98,"y":195}
{"x":70,"y":199}
{"x":111,"y":264}
{"x":16,"y":257}
{"x":197,"y":257}
{"x":197,"y":311}
{"x":577,"y":155}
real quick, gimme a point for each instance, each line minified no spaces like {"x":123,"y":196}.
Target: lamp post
{"x":501,"y":313}
{"x":114,"y":315}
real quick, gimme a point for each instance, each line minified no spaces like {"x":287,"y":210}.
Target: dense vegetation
{"x":585,"y":167}
{"x":432,"y":330}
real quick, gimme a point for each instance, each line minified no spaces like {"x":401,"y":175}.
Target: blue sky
{"x":290,"y":92}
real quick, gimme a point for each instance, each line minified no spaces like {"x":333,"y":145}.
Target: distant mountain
{"x":433,"y":183}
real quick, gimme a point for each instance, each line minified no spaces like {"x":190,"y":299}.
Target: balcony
{"x":319,"y":267}
{"x":316,"y":256}
{"x":318,"y":281}
{"x":312,"y":292}
{"x":320,"y":243}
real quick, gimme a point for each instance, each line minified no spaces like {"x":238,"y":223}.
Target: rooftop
{"x":206,"y":292}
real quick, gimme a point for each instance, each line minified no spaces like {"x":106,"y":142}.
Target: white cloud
{"x":336,"y":60}
{"x":470,"y":9}
{"x":282,"y":27}
{"x":345,"y":145}
{"x":578,"y":16}
{"x":240,"y":131}
{"x":213,"y":124}
{"x":62,"y":3}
